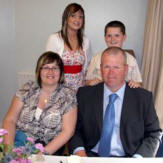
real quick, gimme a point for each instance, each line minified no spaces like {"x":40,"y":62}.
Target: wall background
{"x":7,"y":54}
{"x":26,"y":25}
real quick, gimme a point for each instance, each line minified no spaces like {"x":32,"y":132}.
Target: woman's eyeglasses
{"x":54,"y":69}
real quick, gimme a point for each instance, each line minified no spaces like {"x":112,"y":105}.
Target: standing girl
{"x":71,"y":44}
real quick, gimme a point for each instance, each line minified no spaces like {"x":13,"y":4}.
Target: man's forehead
{"x":110,"y":54}
{"x":113,"y":53}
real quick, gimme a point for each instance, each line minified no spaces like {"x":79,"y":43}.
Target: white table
{"x":63,"y":159}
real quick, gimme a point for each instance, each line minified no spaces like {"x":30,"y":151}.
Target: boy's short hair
{"x":116,"y":23}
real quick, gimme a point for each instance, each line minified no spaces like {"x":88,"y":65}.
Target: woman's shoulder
{"x":29,"y":85}
{"x":55,"y":43}
{"x":27,"y":89}
{"x":65,"y":94}
{"x":85,"y":39}
{"x":67,"y":90}
{"x":55,"y":35}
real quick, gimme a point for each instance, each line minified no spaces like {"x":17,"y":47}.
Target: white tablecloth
{"x":63,"y":159}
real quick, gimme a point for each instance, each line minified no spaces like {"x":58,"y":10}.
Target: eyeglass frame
{"x":54,"y":69}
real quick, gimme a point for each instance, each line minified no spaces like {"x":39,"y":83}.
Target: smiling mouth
{"x":76,"y":24}
{"x":113,"y":43}
{"x":50,"y":77}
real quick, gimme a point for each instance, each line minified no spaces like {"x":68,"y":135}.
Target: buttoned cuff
{"x":137,"y":156}
{"x":78,"y":149}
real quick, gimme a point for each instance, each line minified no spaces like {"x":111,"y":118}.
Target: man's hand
{"x":81,"y":153}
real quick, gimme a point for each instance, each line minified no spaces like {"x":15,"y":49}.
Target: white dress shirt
{"x":116,"y":144}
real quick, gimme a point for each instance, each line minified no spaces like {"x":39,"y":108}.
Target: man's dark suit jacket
{"x":139,"y":125}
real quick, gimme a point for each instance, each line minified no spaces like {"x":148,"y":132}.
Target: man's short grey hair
{"x":115,"y":51}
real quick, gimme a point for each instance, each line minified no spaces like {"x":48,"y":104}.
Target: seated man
{"x":115,"y":35}
{"x":114,"y":119}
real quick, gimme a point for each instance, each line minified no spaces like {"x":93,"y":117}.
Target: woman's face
{"x":50,"y":74}
{"x":75,"y":20}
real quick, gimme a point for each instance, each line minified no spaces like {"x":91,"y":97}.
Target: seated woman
{"x":45,"y":110}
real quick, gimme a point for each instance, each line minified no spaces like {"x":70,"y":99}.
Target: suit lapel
{"x":125,"y":114}
{"x":125,"y":105}
{"x":98,"y":103}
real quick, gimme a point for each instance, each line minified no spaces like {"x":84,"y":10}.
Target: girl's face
{"x":75,"y":20}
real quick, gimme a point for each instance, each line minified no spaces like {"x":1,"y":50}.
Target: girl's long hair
{"x":69,"y":10}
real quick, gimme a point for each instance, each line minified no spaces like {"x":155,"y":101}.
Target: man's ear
{"x":126,"y":69}
{"x":101,"y":68}
{"x":124,"y":37}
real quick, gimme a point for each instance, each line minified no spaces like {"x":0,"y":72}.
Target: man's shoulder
{"x":88,"y":90}
{"x":139,"y":91}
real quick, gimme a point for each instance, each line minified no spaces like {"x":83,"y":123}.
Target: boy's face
{"x":114,"y":37}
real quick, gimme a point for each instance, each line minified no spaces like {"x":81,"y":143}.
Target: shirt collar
{"x":119,"y":92}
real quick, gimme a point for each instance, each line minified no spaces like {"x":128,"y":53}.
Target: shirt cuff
{"x":137,"y":156}
{"x":78,"y":149}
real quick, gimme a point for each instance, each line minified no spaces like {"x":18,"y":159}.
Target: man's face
{"x":113,"y":70}
{"x":114,"y":37}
